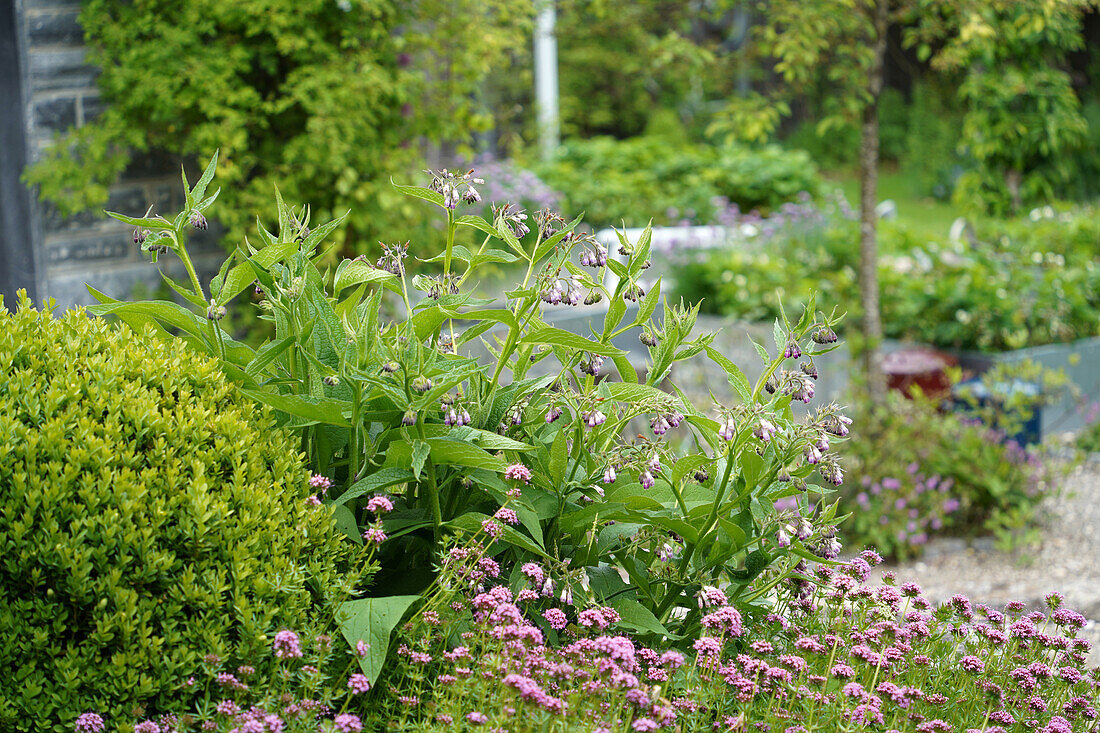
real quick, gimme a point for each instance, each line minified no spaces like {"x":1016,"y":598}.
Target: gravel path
{"x":1067,"y":559}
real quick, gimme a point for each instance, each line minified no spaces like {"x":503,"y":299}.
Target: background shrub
{"x":1025,"y":282}
{"x":660,"y":177}
{"x":919,"y":472}
{"x":149,"y":516}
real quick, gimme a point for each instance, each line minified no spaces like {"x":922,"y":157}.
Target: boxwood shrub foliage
{"x":148,"y":516}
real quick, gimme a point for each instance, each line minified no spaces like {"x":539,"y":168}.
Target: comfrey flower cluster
{"x":455,"y":186}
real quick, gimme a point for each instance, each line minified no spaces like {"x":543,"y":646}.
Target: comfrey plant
{"x":469,"y":416}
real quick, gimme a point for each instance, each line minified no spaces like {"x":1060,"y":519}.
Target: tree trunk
{"x":871,"y":359}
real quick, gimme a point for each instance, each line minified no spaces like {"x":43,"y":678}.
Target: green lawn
{"x":919,"y":213}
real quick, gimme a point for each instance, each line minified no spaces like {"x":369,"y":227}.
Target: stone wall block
{"x":52,"y":69}
{"x":55,"y":29}
{"x":114,"y":245}
{"x":54,"y":115}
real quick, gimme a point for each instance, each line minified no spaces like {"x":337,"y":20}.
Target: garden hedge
{"x":148,"y":516}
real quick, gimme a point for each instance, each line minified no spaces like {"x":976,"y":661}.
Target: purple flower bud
{"x":728,"y":431}
{"x":838,"y":425}
{"x":646,"y":479}
{"x":409,"y":418}
{"x":765,"y":430}
{"x":421,"y":384}
{"x":553,"y":413}
{"x":390,"y":366}
{"x":215,"y":312}
{"x":809,"y":369}
{"x":609,"y":475}
{"x":198,"y":220}
{"x":830,"y":549}
{"x":782,"y":538}
{"x":659,"y":425}
{"x":140,"y":235}
{"x":654,"y":464}
{"x":831,"y":472}
{"x":812,"y":454}
{"x":594,"y":417}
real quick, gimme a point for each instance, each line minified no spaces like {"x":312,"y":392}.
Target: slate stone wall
{"x":57,"y":91}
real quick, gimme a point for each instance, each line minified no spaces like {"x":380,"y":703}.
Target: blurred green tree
{"x":1023,"y":120}
{"x":1021,"y":113}
{"x":328,"y":98}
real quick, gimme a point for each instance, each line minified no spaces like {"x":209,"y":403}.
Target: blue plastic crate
{"x":1030,"y":431}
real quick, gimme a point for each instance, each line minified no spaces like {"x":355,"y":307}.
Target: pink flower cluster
{"x":287,"y":645}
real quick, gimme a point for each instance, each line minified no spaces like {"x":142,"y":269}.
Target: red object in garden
{"x":925,"y":368}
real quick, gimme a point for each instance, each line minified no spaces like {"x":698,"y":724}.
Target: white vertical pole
{"x":546,"y":78}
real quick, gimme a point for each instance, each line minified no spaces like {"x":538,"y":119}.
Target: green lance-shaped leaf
{"x":636,"y":617}
{"x":371,"y":621}
{"x":737,"y":379}
{"x":568,"y":339}
{"x":376,"y":481}
{"x":420,"y":192}
{"x":311,"y":409}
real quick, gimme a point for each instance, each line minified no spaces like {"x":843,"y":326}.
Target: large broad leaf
{"x":498,"y":315}
{"x":153,"y":222}
{"x":649,"y":303}
{"x":559,"y":457}
{"x":171,"y":314}
{"x":354,"y":272}
{"x":371,"y":620}
{"x":568,"y":339}
{"x":637,"y":617}
{"x":687,"y":465}
{"x":627,"y":371}
{"x":318,"y":235}
{"x":446,"y":451}
{"x":195,"y":194}
{"x":242,"y":275}
{"x":268,"y":353}
{"x":638,"y":393}
{"x":483,"y":438}
{"x":477,"y":223}
{"x":345,"y":522}
{"x":310,"y":409}
{"x":420,"y":192}
{"x":737,"y":378}
{"x":375,"y":482}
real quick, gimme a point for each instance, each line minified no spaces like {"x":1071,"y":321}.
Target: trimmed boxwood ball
{"x":148,"y":516}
